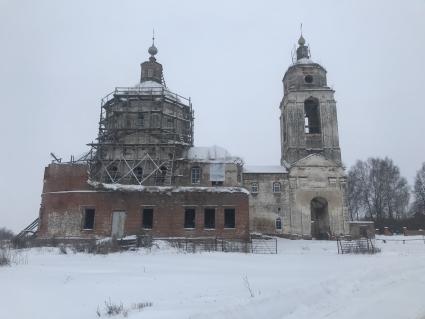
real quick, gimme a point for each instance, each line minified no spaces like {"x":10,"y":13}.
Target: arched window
{"x":277,"y":187}
{"x":195,"y":175}
{"x":278,"y":223}
{"x":311,"y":116}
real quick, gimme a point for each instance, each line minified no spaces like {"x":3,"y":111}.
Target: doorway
{"x":118,"y":223}
{"x":319,"y":218}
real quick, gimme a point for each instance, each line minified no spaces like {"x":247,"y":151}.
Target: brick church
{"x":143,"y":175}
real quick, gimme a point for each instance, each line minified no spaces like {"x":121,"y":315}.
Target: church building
{"x":143,"y":175}
{"x":304,"y":196}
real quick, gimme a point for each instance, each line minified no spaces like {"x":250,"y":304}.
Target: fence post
{"x":275,"y":240}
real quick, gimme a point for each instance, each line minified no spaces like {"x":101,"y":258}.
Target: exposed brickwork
{"x":66,"y":194}
{"x":62,"y":177}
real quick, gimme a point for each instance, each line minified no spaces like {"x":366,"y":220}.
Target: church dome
{"x":153,"y":50}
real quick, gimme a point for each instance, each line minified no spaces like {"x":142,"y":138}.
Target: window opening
{"x":147,"y":218}
{"x":89,"y":218}
{"x":189,"y":218}
{"x":278,"y":223}
{"x":140,"y":120}
{"x":277,"y":188}
{"x":139,"y":172}
{"x":209,"y":218}
{"x":308,"y":79}
{"x":196,"y":175}
{"x":311,"y":116}
{"x":254,"y":187}
{"x":229,"y":218}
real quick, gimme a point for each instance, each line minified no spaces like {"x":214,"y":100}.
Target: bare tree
{"x":419,"y":191}
{"x":376,"y":190}
{"x":355,"y":190}
{"x":5,"y":233}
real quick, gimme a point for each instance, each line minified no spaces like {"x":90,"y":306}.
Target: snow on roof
{"x":304,"y":61}
{"x":153,"y":87}
{"x":167,"y":189}
{"x":210,"y":153}
{"x":264,"y":169}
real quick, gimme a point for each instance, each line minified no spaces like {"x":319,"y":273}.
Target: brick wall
{"x":66,"y":194}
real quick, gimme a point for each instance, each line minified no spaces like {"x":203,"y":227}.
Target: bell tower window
{"x":311,"y":116}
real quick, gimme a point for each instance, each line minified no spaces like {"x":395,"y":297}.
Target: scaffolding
{"x":142,"y":132}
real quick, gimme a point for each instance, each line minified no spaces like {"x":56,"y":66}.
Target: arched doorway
{"x":319,"y":218}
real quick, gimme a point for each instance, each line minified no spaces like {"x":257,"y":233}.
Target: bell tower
{"x":308,"y":121}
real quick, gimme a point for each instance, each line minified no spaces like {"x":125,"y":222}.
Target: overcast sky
{"x":57,"y":59}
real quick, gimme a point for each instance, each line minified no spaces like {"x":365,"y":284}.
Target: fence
{"x":257,"y":245}
{"x":346,"y":245}
{"x":385,"y":240}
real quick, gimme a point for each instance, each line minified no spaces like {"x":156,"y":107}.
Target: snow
{"x":152,"y":88}
{"x":162,"y":189}
{"x":304,"y":61}
{"x":307,"y":279}
{"x":214,"y":154}
{"x":258,"y":169}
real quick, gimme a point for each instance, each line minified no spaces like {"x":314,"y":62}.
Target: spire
{"x":153,"y":50}
{"x":152,"y":70}
{"x":302,"y":51}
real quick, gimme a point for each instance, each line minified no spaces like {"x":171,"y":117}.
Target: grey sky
{"x":58,"y":58}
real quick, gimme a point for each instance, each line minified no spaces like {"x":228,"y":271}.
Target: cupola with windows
{"x":304,"y":73}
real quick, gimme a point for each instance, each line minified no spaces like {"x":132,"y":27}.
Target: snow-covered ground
{"x":307,"y":279}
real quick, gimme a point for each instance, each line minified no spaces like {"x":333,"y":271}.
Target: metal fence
{"x":256,"y":245}
{"x":346,"y":245}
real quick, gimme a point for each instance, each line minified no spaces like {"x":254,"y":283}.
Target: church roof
{"x":148,"y":87}
{"x":211,"y":154}
{"x":264,"y":169}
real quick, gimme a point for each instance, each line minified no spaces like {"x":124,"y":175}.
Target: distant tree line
{"x":376,"y":191}
{"x":6,"y":234}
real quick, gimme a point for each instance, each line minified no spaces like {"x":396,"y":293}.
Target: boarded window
{"x":311,"y":116}
{"x":209,"y":218}
{"x":277,"y":187}
{"x":229,"y":218}
{"x":217,"y":171}
{"x":88,"y":218}
{"x":278,"y":223}
{"x":254,"y":187}
{"x":196,"y":175}
{"x":189,"y":218}
{"x":147,"y":218}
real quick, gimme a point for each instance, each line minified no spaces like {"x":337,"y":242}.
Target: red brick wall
{"x":65,"y":177}
{"x":62,"y":207}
